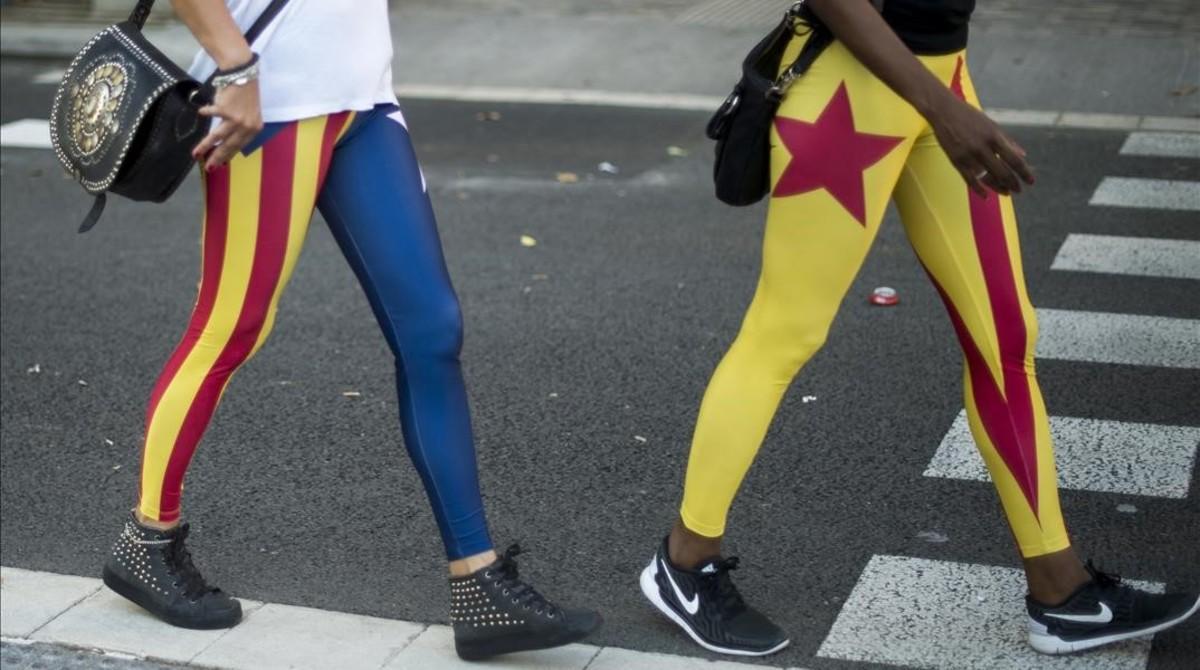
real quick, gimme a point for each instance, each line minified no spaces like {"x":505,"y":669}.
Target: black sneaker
{"x":706,"y":605}
{"x":154,"y":569}
{"x":493,"y":612}
{"x":1103,"y":611}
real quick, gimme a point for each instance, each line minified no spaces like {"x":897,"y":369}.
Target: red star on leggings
{"x":830,"y":153}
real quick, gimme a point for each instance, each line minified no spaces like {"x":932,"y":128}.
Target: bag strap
{"x":264,"y":20}
{"x":141,"y":12}
{"x":821,"y":37}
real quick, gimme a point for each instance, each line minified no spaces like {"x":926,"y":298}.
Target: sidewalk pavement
{"x":76,"y":622}
{"x":1069,"y":55}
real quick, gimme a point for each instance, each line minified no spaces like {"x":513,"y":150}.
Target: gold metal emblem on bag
{"x":94,"y":104}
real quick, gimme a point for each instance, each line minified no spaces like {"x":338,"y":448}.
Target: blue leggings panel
{"x":375,"y":202}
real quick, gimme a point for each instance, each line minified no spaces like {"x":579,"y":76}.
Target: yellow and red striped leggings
{"x":842,"y":145}
{"x":256,"y":216}
{"x":360,"y":170}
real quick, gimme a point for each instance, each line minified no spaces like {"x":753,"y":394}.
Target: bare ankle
{"x":687,"y":549}
{"x":465,"y":566}
{"x":1052,"y":578}
{"x":154,"y":523}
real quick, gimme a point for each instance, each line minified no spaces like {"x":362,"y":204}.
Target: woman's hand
{"x":979,"y":149}
{"x":237,"y":107}
{"x":981,"y":152}
{"x":240,"y":116}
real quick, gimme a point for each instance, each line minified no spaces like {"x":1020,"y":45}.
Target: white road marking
{"x":1024,"y":117}
{"x":953,"y":616}
{"x":708,"y":103}
{"x":559,"y":96}
{"x":1183,"y":124}
{"x":1142,"y":256}
{"x":1101,"y":121}
{"x":1167,"y":145}
{"x":1148,"y":193}
{"x":1131,"y":339}
{"x":1092,"y":455}
{"x":26,"y":134}
{"x":49,"y":76}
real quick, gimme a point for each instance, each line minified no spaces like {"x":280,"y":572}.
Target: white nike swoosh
{"x":692,"y":606}
{"x":1103,"y":616}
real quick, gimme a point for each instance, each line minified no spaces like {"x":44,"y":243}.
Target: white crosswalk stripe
{"x":26,"y":134}
{"x":1130,"y":339}
{"x":1148,"y":193}
{"x":954,"y":616}
{"x":1092,"y":455}
{"x":1143,"y":256}
{"x":897,"y":613}
{"x":1167,"y":145}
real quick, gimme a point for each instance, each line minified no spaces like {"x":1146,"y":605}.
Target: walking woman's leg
{"x":969,"y":246}
{"x":377,"y":207}
{"x":257,"y":209}
{"x":823,"y":214}
{"x":256,"y":213}
{"x":838,"y":145}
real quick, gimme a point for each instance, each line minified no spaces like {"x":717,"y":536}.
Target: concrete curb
{"x":79,"y":613}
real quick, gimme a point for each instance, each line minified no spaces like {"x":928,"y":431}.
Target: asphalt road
{"x":586,"y":356}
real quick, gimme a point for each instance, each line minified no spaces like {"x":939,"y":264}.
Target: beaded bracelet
{"x":237,"y":76}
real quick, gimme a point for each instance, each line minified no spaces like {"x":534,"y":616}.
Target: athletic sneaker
{"x":1103,"y":611}
{"x":493,"y":612}
{"x":707,"y":606}
{"x":154,"y":569}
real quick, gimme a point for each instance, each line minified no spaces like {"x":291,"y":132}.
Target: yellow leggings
{"x":842,"y":144}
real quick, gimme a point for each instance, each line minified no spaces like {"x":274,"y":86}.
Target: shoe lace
{"x":1102,"y":579}
{"x":720,"y":587}
{"x":179,"y":562}
{"x":521,"y":593}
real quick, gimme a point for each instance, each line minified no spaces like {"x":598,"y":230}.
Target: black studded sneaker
{"x":1103,"y":611}
{"x":493,"y":612}
{"x":705,"y":603}
{"x":154,"y":569}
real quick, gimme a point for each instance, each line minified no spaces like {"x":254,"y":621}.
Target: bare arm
{"x":237,"y":106}
{"x":975,"y":144}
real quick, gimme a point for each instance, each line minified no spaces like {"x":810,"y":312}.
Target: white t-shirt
{"x":317,"y":56}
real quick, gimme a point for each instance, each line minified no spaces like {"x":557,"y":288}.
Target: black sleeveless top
{"x":930,"y":26}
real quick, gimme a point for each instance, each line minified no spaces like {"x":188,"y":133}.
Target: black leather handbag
{"x":742,"y":124}
{"x":125,"y":117}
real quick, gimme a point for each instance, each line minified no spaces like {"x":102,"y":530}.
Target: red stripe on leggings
{"x":991,"y":404}
{"x":216,"y":224}
{"x":1007,"y":414}
{"x":956,"y":81}
{"x":1011,"y":416}
{"x":274,"y":219}
{"x":334,"y":124}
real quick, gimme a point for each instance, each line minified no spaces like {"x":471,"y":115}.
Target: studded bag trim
{"x":125,"y":117}
{"x":105,"y":95}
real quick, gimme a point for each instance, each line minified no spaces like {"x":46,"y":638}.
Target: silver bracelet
{"x":239,"y":76}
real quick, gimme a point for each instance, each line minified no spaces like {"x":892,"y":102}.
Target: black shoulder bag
{"x":125,"y":119}
{"x":742,"y":124}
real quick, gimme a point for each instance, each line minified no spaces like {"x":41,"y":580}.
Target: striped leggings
{"x":360,"y":170}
